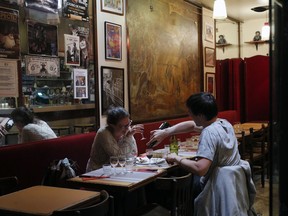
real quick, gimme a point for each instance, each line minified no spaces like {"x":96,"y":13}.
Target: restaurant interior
{"x":70,"y":61}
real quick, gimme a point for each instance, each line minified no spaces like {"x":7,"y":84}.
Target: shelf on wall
{"x":257,"y":42}
{"x":223,"y":46}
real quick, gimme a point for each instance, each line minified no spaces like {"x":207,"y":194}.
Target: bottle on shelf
{"x":174,"y":145}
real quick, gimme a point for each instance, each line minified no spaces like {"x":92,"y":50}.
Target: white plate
{"x":145,"y":160}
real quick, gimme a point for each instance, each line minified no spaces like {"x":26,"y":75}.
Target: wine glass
{"x":142,"y":133}
{"x":114,"y":161}
{"x":122,"y":162}
{"x":149,"y":154}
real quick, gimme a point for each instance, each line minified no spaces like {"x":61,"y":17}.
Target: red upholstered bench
{"x":29,"y":161}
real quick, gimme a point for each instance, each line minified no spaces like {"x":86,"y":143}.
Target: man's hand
{"x":158,"y":136}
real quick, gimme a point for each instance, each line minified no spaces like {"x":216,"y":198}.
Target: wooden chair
{"x":8,"y":185}
{"x":103,"y":208}
{"x":254,"y":149}
{"x":178,"y":200}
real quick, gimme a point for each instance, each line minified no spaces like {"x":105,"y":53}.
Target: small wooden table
{"x":44,"y":200}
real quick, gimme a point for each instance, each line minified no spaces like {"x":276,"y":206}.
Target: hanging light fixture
{"x":219,"y":11}
{"x":265,"y":33}
{"x":265,"y":30}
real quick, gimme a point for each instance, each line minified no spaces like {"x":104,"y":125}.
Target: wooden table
{"x":44,"y":200}
{"x":127,"y":189}
{"x":119,"y":182}
{"x":255,"y":125}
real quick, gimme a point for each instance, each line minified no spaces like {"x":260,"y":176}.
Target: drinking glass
{"x":129,"y":163}
{"x":114,"y":161}
{"x":149,"y":154}
{"x":122,"y":162}
{"x":142,"y":133}
{"x":237,"y":127}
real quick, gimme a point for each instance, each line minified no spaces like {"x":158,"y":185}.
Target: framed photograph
{"x":42,"y":39}
{"x":113,"y":41}
{"x":72,"y":50}
{"x":112,"y":6}
{"x":209,"y":57}
{"x":209,"y":32}
{"x":210,"y":83}
{"x":80,"y":83}
{"x":112,"y":87}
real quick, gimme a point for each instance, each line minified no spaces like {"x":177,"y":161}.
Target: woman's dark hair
{"x":115,"y":114}
{"x":202,"y":103}
{"x":22,"y":115}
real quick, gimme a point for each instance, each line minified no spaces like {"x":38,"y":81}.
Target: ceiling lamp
{"x":219,"y":11}
{"x":265,"y":33}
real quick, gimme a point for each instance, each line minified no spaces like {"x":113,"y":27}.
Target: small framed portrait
{"x":209,"y":57}
{"x":113,"y":41}
{"x":113,"y":6}
{"x":210,"y":83}
{"x":112,"y":87}
{"x":209,"y":32}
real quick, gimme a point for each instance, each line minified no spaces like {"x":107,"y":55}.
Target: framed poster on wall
{"x":210,"y":83}
{"x":111,"y":6}
{"x":209,"y":32}
{"x":112,"y":87}
{"x":113,"y":41}
{"x":209,"y":57}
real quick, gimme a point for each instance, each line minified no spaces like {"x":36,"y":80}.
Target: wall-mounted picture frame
{"x":80,"y":83}
{"x":112,"y":87}
{"x":112,"y":6}
{"x":113,"y":41}
{"x":209,"y":57}
{"x":42,"y":38}
{"x":210,"y":83}
{"x":209,"y":32}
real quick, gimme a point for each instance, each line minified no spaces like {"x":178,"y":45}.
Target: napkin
{"x":86,"y":177}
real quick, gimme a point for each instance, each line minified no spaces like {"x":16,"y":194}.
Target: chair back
{"x":103,"y":208}
{"x":181,"y":193}
{"x":8,"y":185}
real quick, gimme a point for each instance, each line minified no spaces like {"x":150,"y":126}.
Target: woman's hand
{"x":138,"y":128}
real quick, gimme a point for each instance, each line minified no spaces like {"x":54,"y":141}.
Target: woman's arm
{"x":182,"y":127}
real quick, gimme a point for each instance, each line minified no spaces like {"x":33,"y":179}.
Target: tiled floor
{"x":261,"y":203}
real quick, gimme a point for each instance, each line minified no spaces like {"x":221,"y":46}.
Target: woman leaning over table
{"x":114,"y":139}
{"x":30,"y":128}
{"x":217,"y":153}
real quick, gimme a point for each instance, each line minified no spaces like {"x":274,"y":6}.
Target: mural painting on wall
{"x":164,"y":62}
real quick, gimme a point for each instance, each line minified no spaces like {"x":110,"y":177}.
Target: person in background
{"x":114,"y":139}
{"x":217,"y":148}
{"x":30,"y":128}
